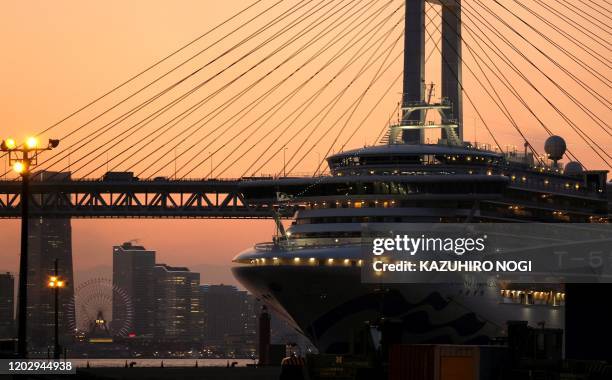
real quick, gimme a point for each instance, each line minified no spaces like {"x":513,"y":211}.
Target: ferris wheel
{"x":101,"y":307}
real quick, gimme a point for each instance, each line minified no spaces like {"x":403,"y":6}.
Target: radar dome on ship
{"x":573,"y":168}
{"x":555,"y":147}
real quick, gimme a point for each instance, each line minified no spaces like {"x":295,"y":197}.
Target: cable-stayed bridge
{"x":281,"y":85}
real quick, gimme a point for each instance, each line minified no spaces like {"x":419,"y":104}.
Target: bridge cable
{"x":601,"y":25}
{"x":333,"y":124}
{"x":326,"y":112}
{"x":281,"y":103}
{"x":174,"y":121}
{"x":585,"y":86}
{"x":386,"y":126}
{"x":476,"y":35}
{"x":157,"y":63}
{"x":535,"y":88}
{"x":600,"y":8}
{"x":123,"y":117}
{"x":226,"y":85}
{"x":497,"y":99}
{"x":390,"y":49}
{"x":377,"y":75}
{"x":162,"y":110}
{"x":580,"y":45}
{"x":576,"y":26}
{"x":257,"y":101}
{"x":309,"y":101}
{"x":69,"y":151}
{"x":569,"y":121}
{"x":226,"y":105}
{"x":295,"y":91}
{"x":292,"y":138}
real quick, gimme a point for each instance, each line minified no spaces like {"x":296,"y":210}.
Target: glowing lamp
{"x":9,"y":144}
{"x":31,"y":142}
{"x":19,"y":167}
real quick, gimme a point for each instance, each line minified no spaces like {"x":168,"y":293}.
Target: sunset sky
{"x":58,"y":56}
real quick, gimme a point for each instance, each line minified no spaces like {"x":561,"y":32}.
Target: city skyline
{"x":167,"y":305}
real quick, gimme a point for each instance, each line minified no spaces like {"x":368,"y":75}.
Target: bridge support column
{"x":414,"y":65}
{"x":451,"y":59}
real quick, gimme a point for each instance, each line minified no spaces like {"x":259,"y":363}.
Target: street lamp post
{"x":23,"y":159}
{"x":56,"y":283}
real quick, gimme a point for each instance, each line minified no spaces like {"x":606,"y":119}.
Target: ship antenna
{"x":430,"y":92}
{"x":399,"y":110}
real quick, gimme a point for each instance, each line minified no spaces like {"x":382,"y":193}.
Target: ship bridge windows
{"x":328,"y":234}
{"x":403,"y":189}
{"x":379,"y":219}
{"x":394,"y":160}
{"x":394,"y":188}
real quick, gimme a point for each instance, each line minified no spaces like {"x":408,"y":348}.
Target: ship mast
{"x":410,"y":124}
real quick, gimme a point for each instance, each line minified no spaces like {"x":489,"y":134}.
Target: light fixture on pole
{"x":23,"y":158}
{"x":56,"y":283}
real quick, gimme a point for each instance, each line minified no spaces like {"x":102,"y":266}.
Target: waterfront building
{"x":133,"y":268}
{"x":7,"y":305}
{"x":230,"y":318}
{"x":177,"y":303}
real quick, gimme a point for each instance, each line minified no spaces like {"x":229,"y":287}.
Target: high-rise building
{"x":230,"y":317}
{"x":49,"y":239}
{"x":177,"y":303}
{"x":133,"y":267}
{"x":7,"y":305}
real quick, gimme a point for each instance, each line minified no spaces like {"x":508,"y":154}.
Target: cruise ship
{"x":311,"y":273}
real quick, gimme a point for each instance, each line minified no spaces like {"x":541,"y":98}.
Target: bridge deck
{"x":216,"y":198}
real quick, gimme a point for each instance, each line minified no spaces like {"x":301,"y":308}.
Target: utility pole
{"x":22,"y":301}
{"x":56,"y":283}
{"x":56,"y":350}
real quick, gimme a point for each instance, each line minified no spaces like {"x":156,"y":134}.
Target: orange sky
{"x":59,"y":55}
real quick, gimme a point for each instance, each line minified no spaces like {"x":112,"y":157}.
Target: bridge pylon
{"x":414,"y":63}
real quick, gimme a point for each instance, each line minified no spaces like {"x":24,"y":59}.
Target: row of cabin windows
{"x":379,"y":219}
{"x":531,"y":214}
{"x":381,"y":188}
{"x":565,"y":202}
{"x":423,"y":159}
{"x":444,"y":204}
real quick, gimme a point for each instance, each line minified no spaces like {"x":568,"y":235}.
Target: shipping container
{"x":446,"y":362}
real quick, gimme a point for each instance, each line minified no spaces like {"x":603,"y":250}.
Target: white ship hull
{"x":330,"y":304}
